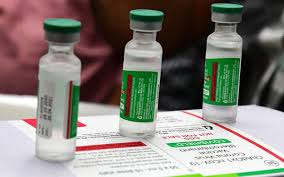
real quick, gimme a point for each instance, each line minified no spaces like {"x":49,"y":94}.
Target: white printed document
{"x":184,"y":146}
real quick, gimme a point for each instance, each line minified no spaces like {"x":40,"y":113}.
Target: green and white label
{"x":72,"y":111}
{"x":198,"y":143}
{"x":57,"y":100}
{"x":138,"y":95}
{"x":221,"y":81}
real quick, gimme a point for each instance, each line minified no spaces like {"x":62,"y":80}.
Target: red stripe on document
{"x":214,"y":81}
{"x":110,"y":146}
{"x":80,"y":124}
{"x":128,"y":95}
{"x":69,"y":110}
{"x":241,"y":136}
{"x":197,"y":116}
{"x":32,"y":122}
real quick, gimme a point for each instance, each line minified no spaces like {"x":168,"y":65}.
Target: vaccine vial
{"x":58,"y":92}
{"x":222,"y":65}
{"x":141,"y":75}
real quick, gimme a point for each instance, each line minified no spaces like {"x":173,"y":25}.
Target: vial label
{"x":221,"y":81}
{"x":57,"y":100}
{"x":72,"y":111}
{"x":45,"y":107}
{"x":138,"y":96}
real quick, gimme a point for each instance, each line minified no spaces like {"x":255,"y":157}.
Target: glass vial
{"x":58,"y":92}
{"x":141,"y":75}
{"x":223,"y":65}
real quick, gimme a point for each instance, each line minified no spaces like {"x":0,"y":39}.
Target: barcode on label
{"x":45,"y":107}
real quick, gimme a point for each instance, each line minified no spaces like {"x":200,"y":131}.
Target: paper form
{"x":184,"y":145}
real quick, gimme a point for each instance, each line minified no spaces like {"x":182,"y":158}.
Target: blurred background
{"x":183,"y":37}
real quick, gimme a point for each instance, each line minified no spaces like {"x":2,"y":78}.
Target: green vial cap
{"x":227,"y":8}
{"x":62,"y":25}
{"x":146,"y":15}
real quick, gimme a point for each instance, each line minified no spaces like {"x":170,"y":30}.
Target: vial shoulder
{"x":225,"y":40}
{"x":225,"y":37}
{"x":142,"y":57}
{"x":146,"y":47}
{"x":70,"y":59}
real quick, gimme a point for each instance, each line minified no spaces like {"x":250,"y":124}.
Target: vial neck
{"x":61,"y":48}
{"x":144,"y":37}
{"x":225,"y":27}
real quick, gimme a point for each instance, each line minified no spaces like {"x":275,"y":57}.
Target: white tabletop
{"x":13,"y":107}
